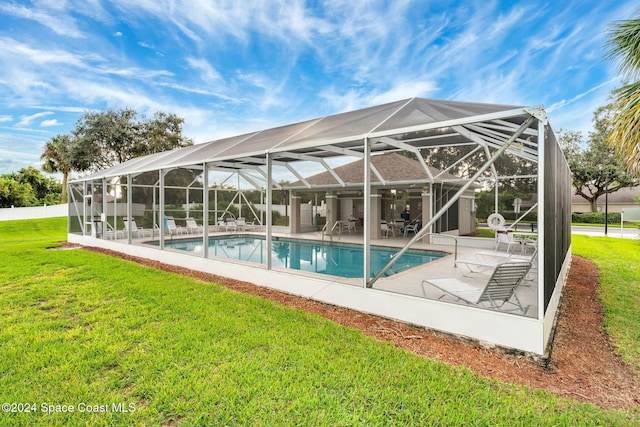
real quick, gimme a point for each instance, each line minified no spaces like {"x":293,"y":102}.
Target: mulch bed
{"x":582,"y":365}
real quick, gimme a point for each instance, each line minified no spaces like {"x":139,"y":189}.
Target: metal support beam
{"x":314,"y":159}
{"x":248,"y":179}
{"x":297,"y":175}
{"x":129,"y":207}
{"x":419,"y":235}
{"x":460,"y":160}
{"x":401,"y":145}
{"x":205,"y":210}
{"x":357,"y":154}
{"x":335,"y":175}
{"x":264,"y":174}
{"x":103,"y":216}
{"x":161,"y":207}
{"x":367,"y":209}
{"x":84,"y":208}
{"x":542,"y":225}
{"x":343,"y":151}
{"x":269,"y":229}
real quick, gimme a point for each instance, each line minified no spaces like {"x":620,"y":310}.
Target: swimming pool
{"x":336,"y":259}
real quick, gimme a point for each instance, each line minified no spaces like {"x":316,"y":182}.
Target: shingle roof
{"x":622,"y":196}
{"x":393,"y":167}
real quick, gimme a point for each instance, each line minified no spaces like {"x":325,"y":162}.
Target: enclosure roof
{"x":414,"y":123}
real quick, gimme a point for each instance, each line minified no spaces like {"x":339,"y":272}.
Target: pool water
{"x":336,"y":259}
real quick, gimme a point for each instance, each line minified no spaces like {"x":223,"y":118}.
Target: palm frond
{"x":625,"y":134}
{"x":623,"y":46}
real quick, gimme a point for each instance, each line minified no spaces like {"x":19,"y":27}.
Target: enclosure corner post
{"x":205,"y":210}
{"x":269,"y":228}
{"x":367,"y":209}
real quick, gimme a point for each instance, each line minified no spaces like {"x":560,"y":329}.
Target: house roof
{"x":394,"y":168}
{"x":414,"y":123}
{"x":623,"y":196}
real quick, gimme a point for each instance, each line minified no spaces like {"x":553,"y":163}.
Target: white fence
{"x":7,"y":214}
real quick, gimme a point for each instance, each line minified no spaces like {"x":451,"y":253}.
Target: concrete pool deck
{"x":400,"y":297}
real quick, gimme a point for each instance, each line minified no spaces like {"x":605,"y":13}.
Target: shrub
{"x":595,"y":217}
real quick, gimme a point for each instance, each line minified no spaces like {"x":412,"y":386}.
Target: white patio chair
{"x":135,"y":230}
{"x":499,"y":289}
{"x":351,"y":225}
{"x":192,"y":226}
{"x":348,"y":225}
{"x":384,"y":228}
{"x":413,"y":227}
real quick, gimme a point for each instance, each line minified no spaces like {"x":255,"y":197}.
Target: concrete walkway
{"x":612,"y":231}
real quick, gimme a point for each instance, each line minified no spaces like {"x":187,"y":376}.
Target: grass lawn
{"x":79,"y":328}
{"x":619,"y":263}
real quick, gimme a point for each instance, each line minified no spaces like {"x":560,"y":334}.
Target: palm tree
{"x":58,"y":157}
{"x":623,"y":47}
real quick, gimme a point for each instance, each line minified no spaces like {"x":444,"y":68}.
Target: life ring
{"x":495,"y":221}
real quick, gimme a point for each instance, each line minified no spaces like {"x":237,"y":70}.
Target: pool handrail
{"x":455,"y":246}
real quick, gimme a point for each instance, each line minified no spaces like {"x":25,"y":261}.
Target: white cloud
{"x":27,"y":120}
{"x":49,"y":123}
{"x":405,"y":89}
{"x":206,"y":71}
{"x":24,"y":53}
{"x":232,"y":67}
{"x":61,"y":23}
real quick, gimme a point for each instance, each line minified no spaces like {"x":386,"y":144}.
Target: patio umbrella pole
{"x":451,"y":201}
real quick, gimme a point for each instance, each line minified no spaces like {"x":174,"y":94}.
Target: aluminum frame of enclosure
{"x":409,"y":125}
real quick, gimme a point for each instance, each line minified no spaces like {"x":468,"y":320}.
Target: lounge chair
{"x":135,"y":230}
{"x":497,"y":256}
{"x":499,"y":289}
{"x":192,"y":226}
{"x":231,"y":224}
{"x":172,"y":227}
{"x":241,"y":224}
{"x":252,"y":226}
{"x":490,"y":259}
{"x":112,"y":233}
{"x":504,"y":237}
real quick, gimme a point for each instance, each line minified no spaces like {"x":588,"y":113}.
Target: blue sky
{"x":230,"y":67}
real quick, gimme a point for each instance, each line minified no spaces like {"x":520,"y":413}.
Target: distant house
{"x":618,"y":200}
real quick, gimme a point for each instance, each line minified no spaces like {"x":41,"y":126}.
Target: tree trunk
{"x":594,"y":205}
{"x":63,"y":193}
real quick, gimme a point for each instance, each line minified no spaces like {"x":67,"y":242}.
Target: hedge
{"x":595,"y":217}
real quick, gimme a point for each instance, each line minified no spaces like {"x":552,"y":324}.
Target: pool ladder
{"x":330,"y":233}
